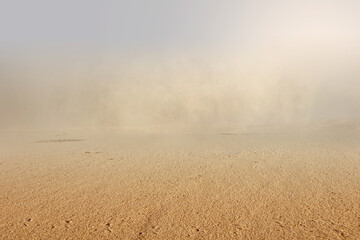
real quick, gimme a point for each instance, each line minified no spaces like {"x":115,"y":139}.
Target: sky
{"x":162,"y":25}
{"x":215,"y":62}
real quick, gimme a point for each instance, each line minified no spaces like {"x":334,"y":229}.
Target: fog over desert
{"x":180,"y":120}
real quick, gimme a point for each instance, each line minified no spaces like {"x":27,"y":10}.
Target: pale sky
{"x":166,"y":24}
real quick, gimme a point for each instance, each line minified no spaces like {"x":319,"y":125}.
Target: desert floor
{"x":116,"y":185}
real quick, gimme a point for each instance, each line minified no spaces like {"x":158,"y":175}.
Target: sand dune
{"x":81,"y":185}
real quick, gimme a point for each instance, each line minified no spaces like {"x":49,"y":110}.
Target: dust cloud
{"x":178,"y":90}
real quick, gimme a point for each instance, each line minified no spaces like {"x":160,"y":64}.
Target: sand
{"x":116,"y":185}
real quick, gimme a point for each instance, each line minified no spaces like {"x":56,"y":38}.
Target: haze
{"x":140,"y":64}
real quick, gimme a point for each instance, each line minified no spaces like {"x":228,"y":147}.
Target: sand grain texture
{"x":204,"y":186}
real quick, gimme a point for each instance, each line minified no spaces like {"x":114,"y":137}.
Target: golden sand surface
{"x":113,"y":185}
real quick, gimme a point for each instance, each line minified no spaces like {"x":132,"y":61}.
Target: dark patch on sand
{"x":229,"y":134}
{"x":60,"y":140}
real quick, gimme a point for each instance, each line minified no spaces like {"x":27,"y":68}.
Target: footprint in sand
{"x":67,"y":223}
{"x":108,"y":227}
{"x":28,"y":220}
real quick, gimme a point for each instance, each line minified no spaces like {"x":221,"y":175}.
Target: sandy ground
{"x":112,"y":185}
